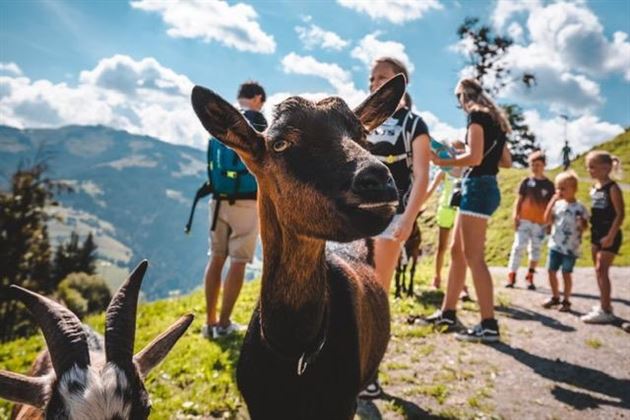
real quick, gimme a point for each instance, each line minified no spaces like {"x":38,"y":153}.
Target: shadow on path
{"x":586,"y":378}
{"x":367,"y":410}
{"x":523,"y":314}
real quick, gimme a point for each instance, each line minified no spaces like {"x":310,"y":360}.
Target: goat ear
{"x":156,"y":351}
{"x":226,"y":123}
{"x":381,"y":104}
{"x":23,"y":389}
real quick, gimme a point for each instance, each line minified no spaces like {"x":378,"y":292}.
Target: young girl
{"x":487,"y":150}
{"x":401,"y":143}
{"x":607,"y":214}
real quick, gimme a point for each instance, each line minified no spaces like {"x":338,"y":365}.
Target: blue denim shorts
{"x":480,"y":196}
{"x":557,"y":259}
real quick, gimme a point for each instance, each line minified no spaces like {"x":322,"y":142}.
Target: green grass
{"x":593,"y":343}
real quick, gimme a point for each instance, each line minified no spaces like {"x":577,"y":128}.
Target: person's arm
{"x":617,"y":201}
{"x":421,"y":155}
{"x":506,"y":158}
{"x":434,"y":184}
{"x":549,"y":209}
{"x":516,"y":213}
{"x":473,"y":154}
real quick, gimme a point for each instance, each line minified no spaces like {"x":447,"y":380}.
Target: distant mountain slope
{"x":134,"y":192}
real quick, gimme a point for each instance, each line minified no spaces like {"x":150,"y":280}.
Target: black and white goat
{"x":81,"y":376}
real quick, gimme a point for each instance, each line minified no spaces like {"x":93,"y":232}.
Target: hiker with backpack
{"x":401,"y":143}
{"x":233,"y":218}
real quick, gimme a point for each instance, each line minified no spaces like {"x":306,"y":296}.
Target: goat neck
{"x":294,"y":292}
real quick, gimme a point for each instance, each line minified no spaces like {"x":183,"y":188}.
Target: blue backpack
{"x":229,"y":178}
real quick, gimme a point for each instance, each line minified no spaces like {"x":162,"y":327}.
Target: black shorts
{"x":597,"y":235}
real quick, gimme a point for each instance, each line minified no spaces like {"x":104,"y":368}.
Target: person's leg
{"x":212,"y":283}
{"x":568,"y":286}
{"x":386,"y":253}
{"x":474,"y":241}
{"x":457,"y":270}
{"x":553,"y":283}
{"x":231,"y":290}
{"x":536,"y":238}
{"x":518,"y":246}
{"x":604,"y":261}
{"x":442,"y":245}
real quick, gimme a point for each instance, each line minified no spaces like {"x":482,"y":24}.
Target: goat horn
{"x":156,"y":350}
{"x":23,"y":389}
{"x":120,"y":319}
{"x":64,"y":334}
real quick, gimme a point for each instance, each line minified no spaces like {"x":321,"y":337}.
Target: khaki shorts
{"x":236,"y":230}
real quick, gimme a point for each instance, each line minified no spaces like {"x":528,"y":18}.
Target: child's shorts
{"x":445,"y":216}
{"x":597,"y":235}
{"x":557,"y":259}
{"x":480,"y":196}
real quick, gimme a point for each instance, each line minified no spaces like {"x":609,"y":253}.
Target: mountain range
{"x":132,"y":192}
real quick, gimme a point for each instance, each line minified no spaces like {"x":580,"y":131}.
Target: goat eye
{"x":280,"y":146}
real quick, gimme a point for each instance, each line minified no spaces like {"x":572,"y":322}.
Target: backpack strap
{"x":410,"y":119}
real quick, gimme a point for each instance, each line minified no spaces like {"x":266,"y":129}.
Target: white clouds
{"x":339,"y":79}
{"x":126,"y":75}
{"x":10,"y":68}
{"x":394,"y":11}
{"x":315,"y":37}
{"x":140,"y":96}
{"x":505,"y":9}
{"x":440,"y":130}
{"x":573,"y":38}
{"x":564,"y":46}
{"x":309,"y":66}
{"x":212,"y":20}
{"x":371,"y":48}
{"x":583,"y":133}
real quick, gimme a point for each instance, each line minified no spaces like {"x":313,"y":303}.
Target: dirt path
{"x":550,"y":365}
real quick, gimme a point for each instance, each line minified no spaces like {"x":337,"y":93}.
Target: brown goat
{"x":322,"y":323}
{"x":80,"y":376}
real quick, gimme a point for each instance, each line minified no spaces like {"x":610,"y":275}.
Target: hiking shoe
{"x":511,"y":280}
{"x":207,"y":331}
{"x":373,"y":390}
{"x":232,"y":328}
{"x":551,"y":302}
{"x":529,"y":278}
{"x":566,"y":306}
{"x":598,"y":316}
{"x":486,"y":332}
{"x":443,"y":319}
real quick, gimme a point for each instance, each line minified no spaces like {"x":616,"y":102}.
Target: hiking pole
{"x":203,"y":191}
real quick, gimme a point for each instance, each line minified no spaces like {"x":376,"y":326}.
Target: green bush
{"x":84,"y":293}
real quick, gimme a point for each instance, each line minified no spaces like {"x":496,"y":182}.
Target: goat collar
{"x":309,"y":356}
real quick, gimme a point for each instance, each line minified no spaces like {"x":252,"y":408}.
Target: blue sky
{"x":131,"y":65}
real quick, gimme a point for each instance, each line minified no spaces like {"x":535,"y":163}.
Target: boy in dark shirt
{"x":534,"y":194}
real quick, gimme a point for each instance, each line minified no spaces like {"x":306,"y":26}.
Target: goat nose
{"x":372,"y":178}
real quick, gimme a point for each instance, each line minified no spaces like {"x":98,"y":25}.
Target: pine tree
{"x":24,"y":244}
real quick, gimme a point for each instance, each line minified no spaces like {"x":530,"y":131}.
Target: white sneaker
{"x":598,"y":316}
{"x":207,"y":331}
{"x":232,"y":328}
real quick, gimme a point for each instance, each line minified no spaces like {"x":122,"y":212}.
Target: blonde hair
{"x":605,"y":158}
{"x":568,"y":176}
{"x":475,"y":99}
